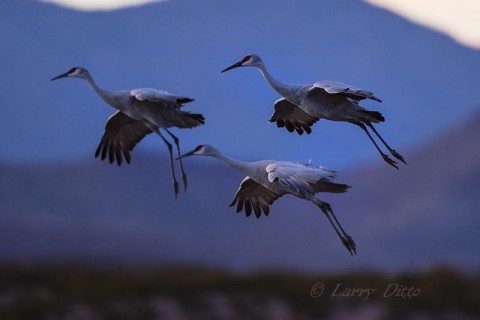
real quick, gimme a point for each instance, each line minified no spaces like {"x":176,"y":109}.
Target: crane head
{"x":75,"y":72}
{"x":200,"y":150}
{"x":250,"y":60}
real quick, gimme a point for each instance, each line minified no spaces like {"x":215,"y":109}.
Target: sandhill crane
{"x":267,"y":180}
{"x":140,"y":112}
{"x":302,"y":105}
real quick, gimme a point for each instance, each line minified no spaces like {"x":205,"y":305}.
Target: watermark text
{"x":342,"y":290}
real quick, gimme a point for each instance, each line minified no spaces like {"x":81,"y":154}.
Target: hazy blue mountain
{"x":427,"y":81}
{"x":422,"y":215}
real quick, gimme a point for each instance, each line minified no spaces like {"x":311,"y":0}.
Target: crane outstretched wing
{"x":292,"y":117}
{"x":250,"y":195}
{"x":353,"y":93}
{"x":121,"y":135}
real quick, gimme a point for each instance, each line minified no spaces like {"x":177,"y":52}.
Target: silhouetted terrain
{"x":80,"y":292}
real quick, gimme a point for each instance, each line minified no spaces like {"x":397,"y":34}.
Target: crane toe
{"x":350,"y":245}
{"x":185,"y":182}
{"x":390,"y":161}
{"x":398,"y":156}
{"x":176,"y":189}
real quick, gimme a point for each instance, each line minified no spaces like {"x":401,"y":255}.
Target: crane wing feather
{"x":164,"y":108}
{"x":353,"y":93}
{"x":292,"y":117}
{"x":121,"y":135}
{"x":251,"y":195}
{"x":303,"y":179}
{"x":160,"y":97}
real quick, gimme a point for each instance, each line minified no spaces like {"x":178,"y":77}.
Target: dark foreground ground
{"x":87,"y":292}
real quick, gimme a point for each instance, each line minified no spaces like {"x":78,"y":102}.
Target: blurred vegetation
{"x":70,"y":291}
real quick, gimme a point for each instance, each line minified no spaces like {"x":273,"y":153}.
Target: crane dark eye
{"x":246,"y":58}
{"x":72,"y":70}
{"x":198,"y":147}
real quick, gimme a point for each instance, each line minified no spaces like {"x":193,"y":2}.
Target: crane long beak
{"x":63,"y":75}
{"x":233,"y":66}
{"x":188,"y":154}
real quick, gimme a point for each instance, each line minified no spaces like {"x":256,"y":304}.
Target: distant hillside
{"x":424,"y":214}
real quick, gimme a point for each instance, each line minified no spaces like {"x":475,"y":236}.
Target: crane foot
{"x":397,"y":155}
{"x":390,"y":161}
{"x":350,"y":245}
{"x":185,"y":182}
{"x":175,"y":188}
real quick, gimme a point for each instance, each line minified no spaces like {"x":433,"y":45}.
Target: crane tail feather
{"x":372,"y":116}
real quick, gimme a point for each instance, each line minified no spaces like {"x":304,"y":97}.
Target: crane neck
{"x":241,"y":166}
{"x":283,"y":89}
{"x":106,"y":96}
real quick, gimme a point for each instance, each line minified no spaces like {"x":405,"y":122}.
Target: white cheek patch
{"x":75,"y":73}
